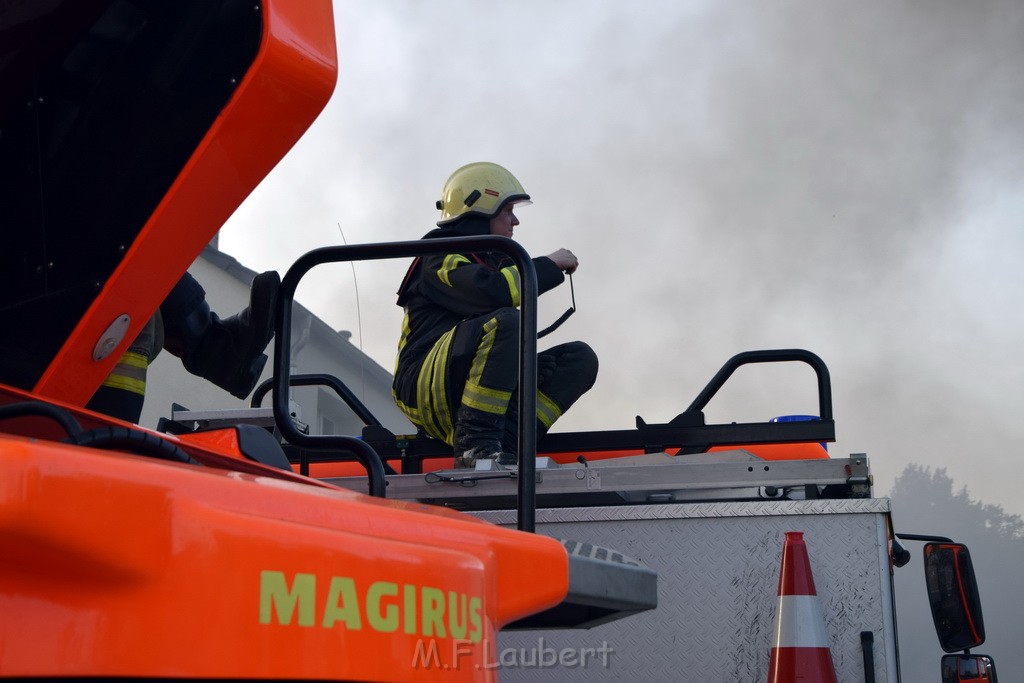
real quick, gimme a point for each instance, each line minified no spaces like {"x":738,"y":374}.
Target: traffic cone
{"x":801,"y":650}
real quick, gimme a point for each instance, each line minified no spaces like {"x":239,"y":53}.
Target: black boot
{"x":227,"y":352}
{"x":478,"y":436}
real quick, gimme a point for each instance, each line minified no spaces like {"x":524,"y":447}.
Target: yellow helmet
{"x":480,"y":188}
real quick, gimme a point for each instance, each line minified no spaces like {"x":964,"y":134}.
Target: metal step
{"x":637,"y":479}
{"x":604,"y":585}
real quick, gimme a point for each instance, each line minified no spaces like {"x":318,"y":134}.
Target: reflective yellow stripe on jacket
{"x":450,"y":263}
{"x":514,"y":283}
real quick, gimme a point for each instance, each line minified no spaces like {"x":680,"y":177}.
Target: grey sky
{"x":840,"y":177}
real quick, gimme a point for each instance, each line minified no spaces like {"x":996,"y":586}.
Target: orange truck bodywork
{"x":788,"y":451}
{"x":117,"y":564}
{"x":122,"y":565}
{"x":288,"y":85}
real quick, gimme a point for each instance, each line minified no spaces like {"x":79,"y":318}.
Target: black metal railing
{"x":770,"y":356}
{"x":358,"y":448}
{"x":687,"y":432}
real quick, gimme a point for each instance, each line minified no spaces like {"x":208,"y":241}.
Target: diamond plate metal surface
{"x":718,"y":572}
{"x":690,"y":510}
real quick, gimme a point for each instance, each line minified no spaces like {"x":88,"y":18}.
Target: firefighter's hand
{"x":565,"y":260}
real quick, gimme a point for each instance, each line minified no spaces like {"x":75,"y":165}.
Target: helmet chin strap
{"x":562,"y":318}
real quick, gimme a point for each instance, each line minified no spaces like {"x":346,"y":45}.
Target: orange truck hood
{"x":121,"y":565}
{"x":132,"y":131}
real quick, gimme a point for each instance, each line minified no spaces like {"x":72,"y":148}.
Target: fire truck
{"x":235,"y":544}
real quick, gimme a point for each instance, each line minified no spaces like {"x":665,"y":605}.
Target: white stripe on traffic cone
{"x":801,"y":648}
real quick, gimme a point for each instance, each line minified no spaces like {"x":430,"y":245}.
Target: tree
{"x":924,"y":502}
{"x":927,"y":498}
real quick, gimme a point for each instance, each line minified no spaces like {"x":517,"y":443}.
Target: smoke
{"x":732,"y":175}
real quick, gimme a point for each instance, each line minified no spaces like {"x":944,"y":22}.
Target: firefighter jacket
{"x":442,"y":290}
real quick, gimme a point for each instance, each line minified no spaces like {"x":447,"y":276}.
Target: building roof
{"x":336,"y":341}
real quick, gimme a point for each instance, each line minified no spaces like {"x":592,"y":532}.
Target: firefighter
{"x":228,"y":352}
{"x":458,"y":357}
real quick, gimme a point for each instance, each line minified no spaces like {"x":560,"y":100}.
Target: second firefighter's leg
{"x":227,"y":352}
{"x":123,"y":392}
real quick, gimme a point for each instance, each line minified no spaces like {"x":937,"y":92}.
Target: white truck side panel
{"x":718,"y":572}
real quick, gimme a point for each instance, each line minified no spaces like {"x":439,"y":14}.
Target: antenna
{"x":359,"y":314}
{"x":355,"y":283}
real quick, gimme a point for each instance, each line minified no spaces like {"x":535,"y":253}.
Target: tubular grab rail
{"x":319,"y":379}
{"x":343,"y":392}
{"x":769,"y":356}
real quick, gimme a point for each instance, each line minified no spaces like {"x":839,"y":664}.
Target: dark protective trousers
{"x":466,"y":388}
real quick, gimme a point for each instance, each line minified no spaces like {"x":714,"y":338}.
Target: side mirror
{"x":968,"y":669}
{"x":953,"y":595}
